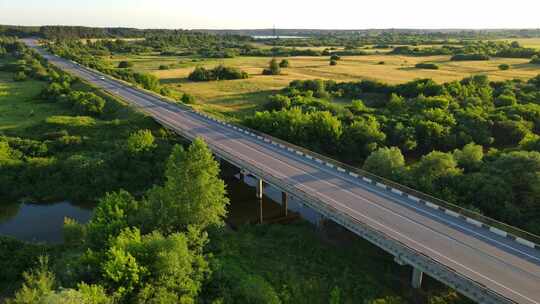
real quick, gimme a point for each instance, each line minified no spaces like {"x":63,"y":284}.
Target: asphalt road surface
{"x":500,"y":264}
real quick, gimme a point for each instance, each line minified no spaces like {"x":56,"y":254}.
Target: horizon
{"x":243,"y":14}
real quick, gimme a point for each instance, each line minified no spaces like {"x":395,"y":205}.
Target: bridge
{"x":481,"y":258}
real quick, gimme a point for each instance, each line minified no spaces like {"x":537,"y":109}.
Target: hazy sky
{"x":234,"y":14}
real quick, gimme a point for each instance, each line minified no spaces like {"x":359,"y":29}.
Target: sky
{"x":251,"y":14}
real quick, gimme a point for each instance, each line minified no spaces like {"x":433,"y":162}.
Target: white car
{"x":102,"y":78}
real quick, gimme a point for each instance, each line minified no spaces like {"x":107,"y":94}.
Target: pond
{"x":40,"y":222}
{"x":43,"y":222}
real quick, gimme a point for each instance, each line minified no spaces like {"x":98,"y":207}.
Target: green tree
{"x":434,"y":171}
{"x":187,"y":98}
{"x":193,"y":193}
{"x":273,"y":68}
{"x":140,"y":141}
{"x":38,"y":284}
{"x":20,"y":76}
{"x":362,"y":137}
{"x":284,"y":63}
{"x":470,"y":157}
{"x":125,"y":64}
{"x":386,"y":162}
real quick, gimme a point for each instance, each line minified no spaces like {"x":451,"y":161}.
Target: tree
{"x":125,"y":64}
{"x":193,"y":193}
{"x":470,"y":157}
{"x":155,"y":266}
{"x":434,"y":171}
{"x":362,"y":137}
{"x":19,"y":76}
{"x":333,"y":62}
{"x":187,"y":98}
{"x":273,"y":68}
{"x":38,"y":284}
{"x":504,"y":67}
{"x":335,"y":57}
{"x":284,"y":63}
{"x":386,"y":162}
{"x":140,"y":141}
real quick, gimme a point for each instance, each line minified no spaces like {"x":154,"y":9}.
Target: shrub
{"x":125,"y":64}
{"x":467,"y":57}
{"x":381,"y":62}
{"x":333,"y":62}
{"x":335,"y":57}
{"x":428,"y":66}
{"x":504,"y":67}
{"x":187,"y":98}
{"x":273,"y":68}
{"x":19,"y":76}
{"x":284,"y":63}
{"x":140,"y":141}
{"x":218,"y":73}
{"x":164,"y":67}
{"x":535,"y":59}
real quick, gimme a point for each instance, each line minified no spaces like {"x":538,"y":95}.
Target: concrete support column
{"x":241,"y":175}
{"x":284,"y":203}
{"x":416,"y":280}
{"x":261,"y":211}
{"x":259,"y":193}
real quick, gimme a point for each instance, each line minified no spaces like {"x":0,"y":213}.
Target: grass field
{"x":526,"y":42}
{"x":237,"y":97}
{"x":19,"y":107}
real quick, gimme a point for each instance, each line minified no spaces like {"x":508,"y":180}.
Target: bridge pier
{"x":259,"y":191}
{"x":284,"y":203}
{"x":416,"y":280}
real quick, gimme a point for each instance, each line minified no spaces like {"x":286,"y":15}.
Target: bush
{"x":467,"y":57}
{"x":335,"y":57}
{"x":164,"y":67}
{"x":428,"y":66}
{"x":504,"y":67}
{"x":381,"y":62}
{"x":535,"y":59}
{"x":187,"y":98}
{"x":284,"y":63}
{"x":273,"y":68}
{"x":19,"y":76}
{"x":218,"y":73}
{"x":125,"y":64}
{"x":333,"y":62}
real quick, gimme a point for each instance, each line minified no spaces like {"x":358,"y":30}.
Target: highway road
{"x":505,"y":267}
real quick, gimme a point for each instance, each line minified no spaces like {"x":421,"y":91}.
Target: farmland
{"x":239,"y":97}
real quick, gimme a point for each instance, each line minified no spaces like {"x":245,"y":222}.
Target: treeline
{"x":473,"y":50}
{"x":435,"y":124}
{"x":77,"y":51}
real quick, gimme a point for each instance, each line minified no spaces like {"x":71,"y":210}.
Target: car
{"x":102,"y":77}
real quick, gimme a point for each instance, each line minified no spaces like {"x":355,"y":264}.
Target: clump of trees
{"x":218,"y":73}
{"x":125,"y":64}
{"x":284,"y":63}
{"x":273,"y":68}
{"x":470,"y":124}
{"x":427,"y":66}
{"x":187,"y":98}
{"x":469,"y":57}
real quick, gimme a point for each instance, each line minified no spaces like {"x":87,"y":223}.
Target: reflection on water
{"x":43,"y":222}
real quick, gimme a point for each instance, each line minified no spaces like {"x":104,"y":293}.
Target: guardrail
{"x":500,"y":228}
{"x":436,"y":269}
